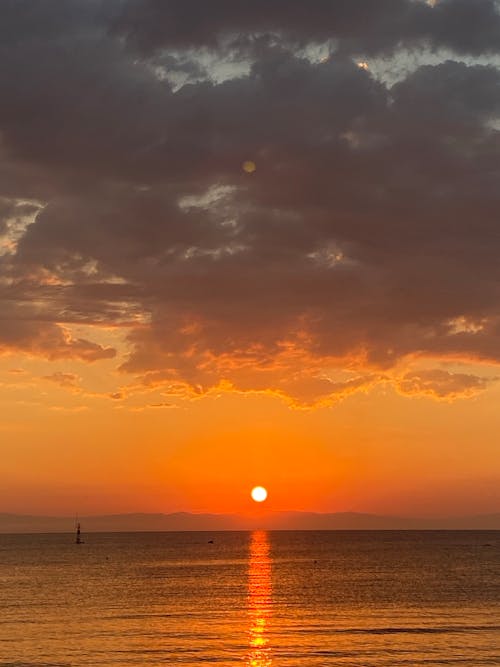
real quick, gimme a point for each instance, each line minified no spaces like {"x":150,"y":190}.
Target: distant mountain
{"x":359,"y":521}
{"x":179,"y":521}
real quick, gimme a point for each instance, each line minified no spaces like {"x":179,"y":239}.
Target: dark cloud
{"x":358,"y":26}
{"x":12,"y":214}
{"x":442,"y":384}
{"x":161,"y":405}
{"x":367,"y":232}
{"x":465,"y":26}
{"x":24,"y":329}
{"x":65,"y":380}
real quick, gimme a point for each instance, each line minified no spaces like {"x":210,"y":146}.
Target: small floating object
{"x":210,"y":541}
{"x":78,"y":539}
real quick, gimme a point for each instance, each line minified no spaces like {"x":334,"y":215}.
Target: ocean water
{"x":259,"y":599}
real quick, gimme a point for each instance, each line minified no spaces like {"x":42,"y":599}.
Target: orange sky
{"x":270,"y":259}
{"x":74,"y":449}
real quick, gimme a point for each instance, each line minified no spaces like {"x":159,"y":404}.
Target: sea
{"x":261,"y":599}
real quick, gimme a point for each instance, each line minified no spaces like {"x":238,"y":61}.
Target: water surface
{"x":259,"y":599}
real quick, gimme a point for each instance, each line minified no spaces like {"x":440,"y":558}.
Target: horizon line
{"x":255,"y":514}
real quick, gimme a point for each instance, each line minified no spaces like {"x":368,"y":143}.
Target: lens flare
{"x":249,"y":166}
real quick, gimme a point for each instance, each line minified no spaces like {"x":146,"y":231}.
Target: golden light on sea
{"x":259,"y":600}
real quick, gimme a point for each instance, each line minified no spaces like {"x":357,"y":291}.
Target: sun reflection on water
{"x":259,"y":600}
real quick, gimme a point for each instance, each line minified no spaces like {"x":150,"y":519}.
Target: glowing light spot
{"x":259,"y":494}
{"x":363,"y":65}
{"x":249,"y":167}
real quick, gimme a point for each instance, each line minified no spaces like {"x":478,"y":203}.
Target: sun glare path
{"x":259,"y":494}
{"x":259,"y":600}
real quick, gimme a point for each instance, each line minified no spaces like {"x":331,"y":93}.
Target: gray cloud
{"x":65,"y":380}
{"x":442,"y":384}
{"x":26,"y":328}
{"x":359,"y":26}
{"x":368,"y":232}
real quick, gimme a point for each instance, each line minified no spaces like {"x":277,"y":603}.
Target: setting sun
{"x":259,"y":494}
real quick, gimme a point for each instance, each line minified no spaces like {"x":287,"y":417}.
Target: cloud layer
{"x":367,"y":234}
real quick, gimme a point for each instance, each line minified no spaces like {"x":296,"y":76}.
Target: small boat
{"x":78,"y":535}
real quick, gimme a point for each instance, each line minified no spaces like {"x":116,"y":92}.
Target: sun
{"x":259,"y":494}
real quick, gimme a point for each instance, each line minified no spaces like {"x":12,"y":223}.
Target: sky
{"x":250,"y":243}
